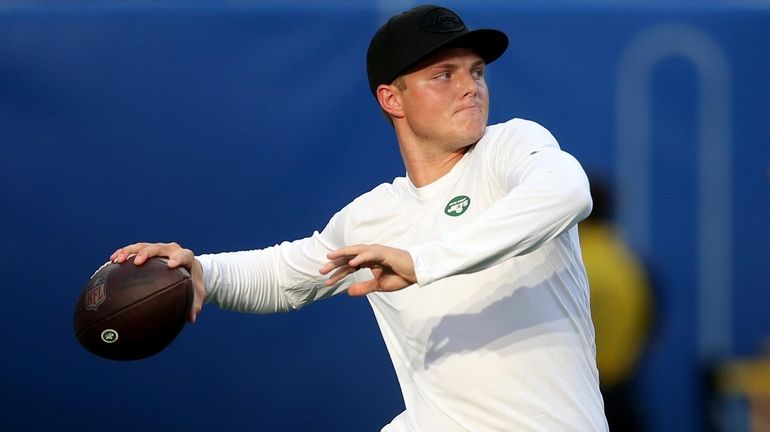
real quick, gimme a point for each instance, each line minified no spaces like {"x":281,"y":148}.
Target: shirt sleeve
{"x":275,"y":279}
{"x":547,"y":194}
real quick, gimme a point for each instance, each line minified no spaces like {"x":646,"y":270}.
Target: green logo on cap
{"x":457,"y":205}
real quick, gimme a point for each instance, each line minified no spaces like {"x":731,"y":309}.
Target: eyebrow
{"x":452,"y":65}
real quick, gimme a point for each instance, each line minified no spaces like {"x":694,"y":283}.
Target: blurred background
{"x":228,"y":125}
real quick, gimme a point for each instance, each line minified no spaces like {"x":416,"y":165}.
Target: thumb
{"x":359,"y":289}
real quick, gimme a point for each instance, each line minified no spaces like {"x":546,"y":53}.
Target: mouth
{"x":467,"y":108}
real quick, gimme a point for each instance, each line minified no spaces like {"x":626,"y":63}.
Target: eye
{"x":478,"y":73}
{"x":443,"y":75}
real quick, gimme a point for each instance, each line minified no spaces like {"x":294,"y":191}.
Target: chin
{"x":466,"y":138}
{"x":474,"y":131}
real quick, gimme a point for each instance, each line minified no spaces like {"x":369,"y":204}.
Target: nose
{"x":468,"y":84}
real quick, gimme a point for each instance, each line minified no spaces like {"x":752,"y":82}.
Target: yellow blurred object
{"x":620,"y":301}
{"x":745,"y":377}
{"x":750,"y":379}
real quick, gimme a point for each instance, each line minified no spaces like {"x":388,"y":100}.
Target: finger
{"x":148,"y":252}
{"x":340,"y":274}
{"x":331,"y":265}
{"x":122,"y":254}
{"x":199,"y":290}
{"x":181,"y":257}
{"x":347,"y":251}
{"x":359,"y":289}
{"x":365,"y":259}
{"x":195,"y":309}
{"x":145,"y":251}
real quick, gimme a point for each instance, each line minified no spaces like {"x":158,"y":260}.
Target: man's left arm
{"x":548,"y":194}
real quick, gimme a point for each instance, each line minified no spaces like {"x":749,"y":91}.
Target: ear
{"x":389,"y":97}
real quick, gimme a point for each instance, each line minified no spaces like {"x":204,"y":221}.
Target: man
{"x":471,"y":262}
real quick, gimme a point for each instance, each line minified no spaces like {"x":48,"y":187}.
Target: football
{"x":130,"y":312}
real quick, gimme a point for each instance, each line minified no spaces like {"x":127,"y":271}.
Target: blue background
{"x":236,"y":125}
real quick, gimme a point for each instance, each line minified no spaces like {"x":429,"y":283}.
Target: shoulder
{"x":518,"y":132}
{"x":368,"y":217}
{"x":375,"y":203}
{"x":505,"y":146}
{"x":384,"y":193}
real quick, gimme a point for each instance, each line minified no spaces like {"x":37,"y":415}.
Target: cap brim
{"x":488,"y":43}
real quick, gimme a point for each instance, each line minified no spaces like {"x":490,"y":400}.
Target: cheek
{"x":483,"y":94}
{"x":429,"y":109}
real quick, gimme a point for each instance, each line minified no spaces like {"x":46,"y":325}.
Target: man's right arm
{"x":279,"y":278}
{"x":275,"y":279}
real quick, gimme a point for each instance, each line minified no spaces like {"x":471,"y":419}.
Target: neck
{"x":426,"y":167}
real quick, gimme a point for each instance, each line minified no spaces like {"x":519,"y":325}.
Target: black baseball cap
{"x":419,"y":32}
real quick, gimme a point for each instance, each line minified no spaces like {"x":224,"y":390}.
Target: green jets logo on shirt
{"x":457,"y":206}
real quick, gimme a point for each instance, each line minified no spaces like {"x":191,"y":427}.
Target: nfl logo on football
{"x":96,"y":294}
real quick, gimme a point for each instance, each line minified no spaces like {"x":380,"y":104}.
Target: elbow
{"x":587,"y":204}
{"x":579,"y":201}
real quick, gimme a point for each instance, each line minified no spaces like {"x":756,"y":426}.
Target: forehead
{"x":448,"y":55}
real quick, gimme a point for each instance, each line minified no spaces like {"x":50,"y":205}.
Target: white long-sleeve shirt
{"x":496,"y":335}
